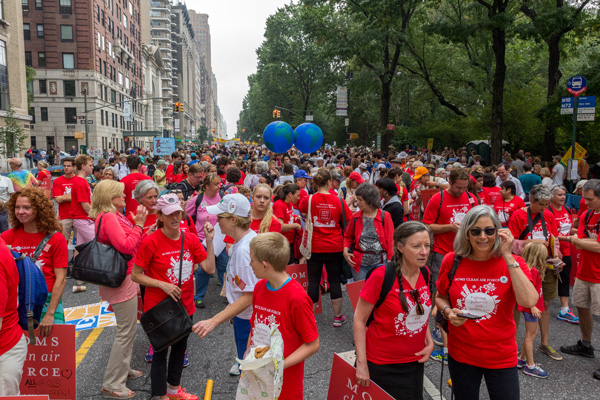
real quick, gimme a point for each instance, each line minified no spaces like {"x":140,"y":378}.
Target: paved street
{"x":212,"y":357}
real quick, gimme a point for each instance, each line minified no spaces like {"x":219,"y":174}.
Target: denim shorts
{"x":529,"y":317}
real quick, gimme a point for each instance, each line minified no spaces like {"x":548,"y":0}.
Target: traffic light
{"x":278,"y":114}
{"x":244,"y":130}
{"x":177,"y":106}
{"x":180,"y":107}
{"x":274,"y":114}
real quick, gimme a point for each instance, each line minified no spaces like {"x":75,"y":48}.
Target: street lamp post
{"x":85,"y":111}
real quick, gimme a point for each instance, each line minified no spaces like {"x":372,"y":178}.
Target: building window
{"x":69,"y":88}
{"x":1,"y":9}
{"x":26,"y":32}
{"x":66,"y":33}
{"x":44,"y":113}
{"x":68,"y":61}
{"x":43,"y":89}
{"x":25,"y":5}
{"x":32,"y":114}
{"x":113,"y":96}
{"x":65,"y":7}
{"x":40,"y":30}
{"x":38,"y":5}
{"x":41,"y":59}
{"x":70,"y":115}
{"x":101,"y":118}
{"x":4,"y":100}
{"x":28,"y":59}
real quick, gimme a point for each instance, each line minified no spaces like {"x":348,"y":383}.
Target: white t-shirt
{"x":559,"y":170}
{"x":6,"y":188}
{"x":240,"y":277}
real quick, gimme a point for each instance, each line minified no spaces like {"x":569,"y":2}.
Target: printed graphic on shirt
{"x":412,"y":323}
{"x":261,"y":335}
{"x":538,"y":232}
{"x":478,"y":299}
{"x":324,"y":219}
{"x":458,"y":214}
{"x":188,"y":267}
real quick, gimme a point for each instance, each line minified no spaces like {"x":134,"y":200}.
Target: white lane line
{"x":431,"y":389}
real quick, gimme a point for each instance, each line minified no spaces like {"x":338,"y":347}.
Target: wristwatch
{"x":513,"y":265}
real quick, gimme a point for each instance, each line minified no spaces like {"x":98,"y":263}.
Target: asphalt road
{"x":212,"y":357}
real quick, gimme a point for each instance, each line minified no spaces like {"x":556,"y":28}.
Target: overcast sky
{"x":236,"y":29}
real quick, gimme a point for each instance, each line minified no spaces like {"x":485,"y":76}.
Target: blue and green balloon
{"x":308,"y":137}
{"x":279,"y":137}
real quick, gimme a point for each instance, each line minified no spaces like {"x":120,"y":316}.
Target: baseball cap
{"x":236,"y":204}
{"x":168,"y":204}
{"x":420,"y":172}
{"x":355,"y":176}
{"x":161,"y":162}
{"x":396,"y":161}
{"x":301,"y":174}
{"x":193,"y":155}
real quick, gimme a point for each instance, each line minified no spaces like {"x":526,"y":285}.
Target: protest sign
{"x":353,"y":290}
{"x":299,"y":273}
{"x":343,"y":386}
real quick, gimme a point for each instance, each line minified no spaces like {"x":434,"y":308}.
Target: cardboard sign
{"x":50,"y":365}
{"x":353,"y":290}
{"x":343,"y":386}
{"x":426,"y":195}
{"x":299,"y":273}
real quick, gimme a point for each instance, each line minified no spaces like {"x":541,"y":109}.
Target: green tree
{"x":12,"y":136}
{"x":30,"y":75}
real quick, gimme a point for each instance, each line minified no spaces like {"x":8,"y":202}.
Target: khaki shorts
{"x":550,"y":285}
{"x":587,"y":295}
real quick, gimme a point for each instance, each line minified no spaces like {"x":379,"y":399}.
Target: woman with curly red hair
{"x":32,"y":218}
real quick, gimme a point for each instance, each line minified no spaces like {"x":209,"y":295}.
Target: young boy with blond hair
{"x":279,"y":299}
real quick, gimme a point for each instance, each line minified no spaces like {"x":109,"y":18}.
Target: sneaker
{"x":437,"y":336}
{"x":186,"y":362}
{"x":550,"y":352}
{"x":568,"y":317}
{"x":182,"y":394}
{"x":438,"y":355}
{"x":521,"y":363}
{"x":579,"y":350}
{"x":235,"y":370}
{"x":149,"y":354}
{"x":536,"y":371}
{"x":339,"y":321}
{"x":199,"y":304}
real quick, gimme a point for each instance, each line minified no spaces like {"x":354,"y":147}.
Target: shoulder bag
{"x":100,"y":264}
{"x":167,"y":322}
{"x":306,"y":244}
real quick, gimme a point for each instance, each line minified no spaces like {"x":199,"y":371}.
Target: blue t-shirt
{"x":529,"y":180}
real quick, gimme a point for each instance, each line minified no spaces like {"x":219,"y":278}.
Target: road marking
{"x":87,"y":344}
{"x":431,"y":389}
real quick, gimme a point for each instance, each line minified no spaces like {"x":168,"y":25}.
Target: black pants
{"x":565,"y":278}
{"x":170,"y":370}
{"x":333,"y":266}
{"x":502,"y":384}
{"x":401,"y":381}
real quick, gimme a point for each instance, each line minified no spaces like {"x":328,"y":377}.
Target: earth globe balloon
{"x":308,"y":137}
{"x":278,"y":136}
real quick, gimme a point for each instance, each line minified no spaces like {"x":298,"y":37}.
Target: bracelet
{"x":444,"y":311}
{"x":141,"y":227}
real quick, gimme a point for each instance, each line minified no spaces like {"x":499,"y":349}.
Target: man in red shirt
{"x":169,"y":171}
{"x":81,"y":199}
{"x":586,"y":292}
{"x":223,"y":163}
{"x":130,"y":181}
{"x":61,"y":193}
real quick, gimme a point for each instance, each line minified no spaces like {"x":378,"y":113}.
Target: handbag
{"x":167,"y":322}
{"x":100,"y":264}
{"x":306,"y":244}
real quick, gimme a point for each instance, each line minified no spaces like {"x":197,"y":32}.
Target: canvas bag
{"x":306,"y":245}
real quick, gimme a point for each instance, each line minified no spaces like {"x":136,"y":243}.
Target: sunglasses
{"x":487,"y":231}
{"x":415,"y":295}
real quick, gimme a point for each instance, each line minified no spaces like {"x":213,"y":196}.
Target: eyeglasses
{"x":415,"y":295}
{"x":487,"y":231}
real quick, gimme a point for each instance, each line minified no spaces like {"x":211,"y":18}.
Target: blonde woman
{"x":546,"y":180}
{"x":114,"y":229}
{"x":262,"y":216}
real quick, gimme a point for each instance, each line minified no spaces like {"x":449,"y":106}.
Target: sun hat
{"x":355,"y":176}
{"x":168,"y":204}
{"x":420,"y":172}
{"x":236,"y":204}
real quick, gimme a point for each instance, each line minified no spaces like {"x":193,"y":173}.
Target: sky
{"x":236,"y":29}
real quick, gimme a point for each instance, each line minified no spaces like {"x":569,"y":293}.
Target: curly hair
{"x":42,"y":208}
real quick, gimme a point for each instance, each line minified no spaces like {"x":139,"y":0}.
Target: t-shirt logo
{"x":411,"y":323}
{"x":186,"y":274}
{"x":458,"y":215}
{"x":67,"y":189}
{"x":479,"y":300}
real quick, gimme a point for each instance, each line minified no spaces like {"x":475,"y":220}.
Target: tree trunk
{"x":386,"y":95}
{"x":554,"y":76}
{"x":499,"y":47}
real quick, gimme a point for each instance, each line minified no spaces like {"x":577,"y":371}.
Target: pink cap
{"x":168,"y":204}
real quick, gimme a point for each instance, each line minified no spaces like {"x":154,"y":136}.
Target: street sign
{"x":430,"y":144}
{"x":347,"y":122}
{"x":576,"y":85}
{"x":354,"y":136}
{"x":586,"y":105}
{"x":90,"y":122}
{"x":128,"y":112}
{"x":586,"y":117}
{"x":391,"y":127}
{"x":309,"y":117}
{"x":566,"y":105}
{"x":81,"y":117}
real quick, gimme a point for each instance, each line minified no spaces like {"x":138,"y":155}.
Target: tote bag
{"x":306,"y":245}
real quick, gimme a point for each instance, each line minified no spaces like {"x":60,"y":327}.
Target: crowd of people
{"x":431,"y":233}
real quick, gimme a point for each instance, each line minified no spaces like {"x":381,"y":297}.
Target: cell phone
{"x":469,"y":315}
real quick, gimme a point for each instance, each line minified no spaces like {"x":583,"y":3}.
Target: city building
{"x":202,"y":37}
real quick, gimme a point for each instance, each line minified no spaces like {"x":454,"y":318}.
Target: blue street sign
{"x":577,"y":85}
{"x":587,"y":101}
{"x":566,"y":105}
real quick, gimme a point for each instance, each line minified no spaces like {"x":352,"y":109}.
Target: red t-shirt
{"x":54,"y":255}
{"x":45,"y":174}
{"x":11,"y":331}
{"x":291,"y":309}
{"x":80,"y":193}
{"x":482,"y":288}
{"x":518,"y":222}
{"x":326,"y":211}
{"x":563,"y":220}
{"x":159,"y":257}
{"x":62,"y":186}
{"x":394,"y":336}
{"x":537,"y":283}
{"x":223,"y":178}
{"x":453,"y":210}
{"x":303,"y":195}
{"x":169,"y":172}
{"x":150,"y":220}
{"x":589,"y":267}
{"x":582,"y":208}
{"x":505,"y":209}
{"x":130,"y":181}
{"x":491,"y":195}
{"x":285,"y":212}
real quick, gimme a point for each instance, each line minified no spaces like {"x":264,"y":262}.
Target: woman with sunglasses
{"x":478,"y":303}
{"x":393,"y":351}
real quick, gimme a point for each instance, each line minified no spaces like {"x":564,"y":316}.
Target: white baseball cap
{"x":236,"y":204}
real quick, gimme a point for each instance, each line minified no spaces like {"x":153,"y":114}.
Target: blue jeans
{"x":362,"y":272}
{"x":202,"y":277}
{"x":241,"y":331}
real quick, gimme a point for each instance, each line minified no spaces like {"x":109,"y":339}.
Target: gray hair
{"x":556,"y":188}
{"x":462,"y":245}
{"x":142,"y":188}
{"x":205,"y":164}
{"x":369,"y":193}
{"x":593,"y":184}
{"x":262,"y":167}
{"x":540,"y":193}
{"x":114,"y":171}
